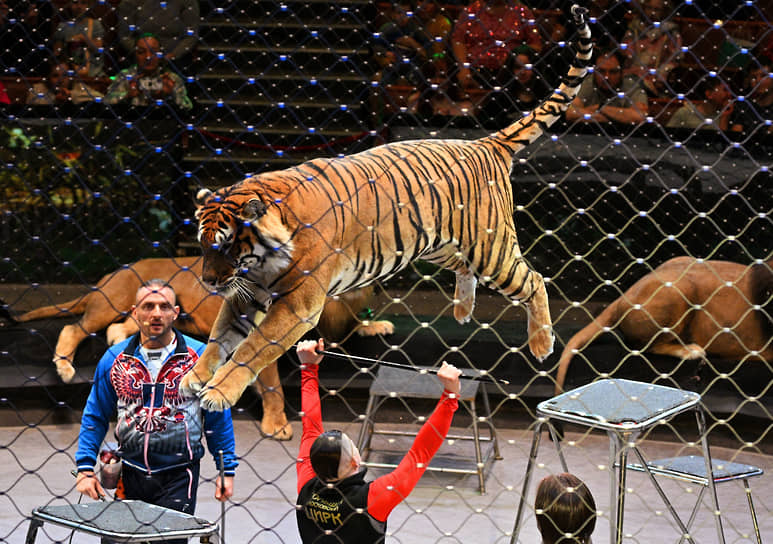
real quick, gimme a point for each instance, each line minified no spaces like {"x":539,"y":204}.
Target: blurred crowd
{"x":496,"y":59}
{"x":493,"y":59}
{"x":73,"y":51}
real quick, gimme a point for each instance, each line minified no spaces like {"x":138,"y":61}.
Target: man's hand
{"x":88,"y":484}
{"x":134,"y":89}
{"x":308,"y":351}
{"x":449,"y":377}
{"x":167,"y":85}
{"x":224,"y":491}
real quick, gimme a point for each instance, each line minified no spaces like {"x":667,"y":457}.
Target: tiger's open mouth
{"x":235,"y":286}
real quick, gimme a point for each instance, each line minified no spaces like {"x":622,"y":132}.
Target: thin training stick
{"x":484,"y":376}
{"x":222,"y":503}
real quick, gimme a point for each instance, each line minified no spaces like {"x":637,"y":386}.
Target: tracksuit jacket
{"x":157,"y":429}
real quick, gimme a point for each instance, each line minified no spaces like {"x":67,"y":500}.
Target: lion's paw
{"x":693,"y":351}
{"x":65,"y":369}
{"x":276,"y":428}
{"x":374,"y":328}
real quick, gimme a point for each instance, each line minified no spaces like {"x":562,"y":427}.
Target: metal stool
{"x":123,"y":521}
{"x":393,"y":382}
{"x":692,"y":469}
{"x":623,"y":409}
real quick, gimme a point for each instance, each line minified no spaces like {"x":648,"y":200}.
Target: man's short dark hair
{"x":325,"y":455}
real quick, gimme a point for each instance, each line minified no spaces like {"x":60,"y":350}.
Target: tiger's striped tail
{"x":529,"y":128}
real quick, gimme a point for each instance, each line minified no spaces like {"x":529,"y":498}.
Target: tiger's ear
{"x":201,"y":197}
{"x":253,"y":209}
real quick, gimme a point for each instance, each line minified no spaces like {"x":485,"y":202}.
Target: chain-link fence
{"x":115,"y":113}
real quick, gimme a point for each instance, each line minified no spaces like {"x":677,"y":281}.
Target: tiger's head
{"x":244,"y":242}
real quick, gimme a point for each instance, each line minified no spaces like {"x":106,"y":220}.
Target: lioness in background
{"x":112,"y":299}
{"x":690,"y":308}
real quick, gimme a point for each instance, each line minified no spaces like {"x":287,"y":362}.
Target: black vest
{"x":340,"y":510}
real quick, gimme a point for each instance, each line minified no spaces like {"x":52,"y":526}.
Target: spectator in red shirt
{"x":484,"y":36}
{"x":4,"y":98}
{"x":335,"y":502}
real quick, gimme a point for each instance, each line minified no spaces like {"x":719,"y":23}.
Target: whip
{"x":483,"y":376}
{"x":222,"y":503}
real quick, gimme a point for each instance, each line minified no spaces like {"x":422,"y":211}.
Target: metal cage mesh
{"x":101,"y":162}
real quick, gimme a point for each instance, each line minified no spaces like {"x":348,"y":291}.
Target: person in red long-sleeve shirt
{"x":335,"y":502}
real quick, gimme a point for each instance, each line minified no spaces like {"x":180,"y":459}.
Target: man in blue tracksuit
{"x":159,"y":431}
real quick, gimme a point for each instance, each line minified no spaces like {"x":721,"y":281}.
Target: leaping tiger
{"x":278,"y":243}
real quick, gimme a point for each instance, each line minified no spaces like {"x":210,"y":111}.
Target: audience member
{"x":402,"y":48}
{"x":59,"y":87}
{"x":175,"y":23}
{"x":149,"y":80}
{"x":712,"y":112}
{"x":608,"y":95}
{"x":437,"y":27}
{"x":484,"y":36}
{"x":652,"y":45}
{"x":757,"y":106}
{"x":79,"y":41}
{"x":611,"y":23}
{"x":566,"y":510}
{"x":25,"y":28}
{"x":335,"y":502}
{"x":439,"y":96}
{"x":524,"y":90}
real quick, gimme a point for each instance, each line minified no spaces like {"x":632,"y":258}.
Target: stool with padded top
{"x":692,"y":469}
{"x":624,"y":409}
{"x":395,"y":382}
{"x":124,"y":521}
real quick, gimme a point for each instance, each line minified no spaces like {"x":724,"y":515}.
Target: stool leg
{"x":32,"y":531}
{"x":478,"y":453}
{"x":685,"y":529}
{"x":527,"y":479}
{"x":492,"y":430}
{"x":367,"y":424}
{"x":699,"y":416}
{"x":622,"y":454}
{"x":614,"y":441}
{"x":694,"y":512}
{"x":559,"y":449}
{"x":748,"y":491}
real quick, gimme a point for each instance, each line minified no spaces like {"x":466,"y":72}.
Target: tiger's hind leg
{"x":464,"y":296}
{"x":523,"y":285}
{"x":540,"y":326}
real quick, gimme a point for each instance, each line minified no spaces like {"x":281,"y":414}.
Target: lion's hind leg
{"x":678,"y":349}
{"x":98,"y":315}
{"x":274,"y":423}
{"x":118,"y":332}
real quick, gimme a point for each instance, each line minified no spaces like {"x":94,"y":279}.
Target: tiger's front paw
{"x":225,"y":388}
{"x":196,"y":378}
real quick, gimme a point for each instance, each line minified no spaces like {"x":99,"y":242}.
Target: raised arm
{"x":387,"y":491}
{"x":308,"y":354}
